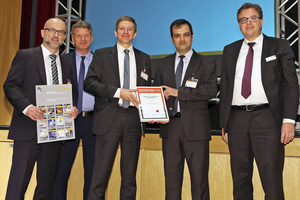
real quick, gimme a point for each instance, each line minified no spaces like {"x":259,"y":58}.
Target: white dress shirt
{"x":132,"y":63}
{"x":258,"y":94}
{"x":47,"y":62}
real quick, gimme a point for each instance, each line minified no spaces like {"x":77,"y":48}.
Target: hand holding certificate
{"x":152,"y":105}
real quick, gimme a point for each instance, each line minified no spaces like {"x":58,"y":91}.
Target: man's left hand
{"x":168,"y":92}
{"x":73,"y":113}
{"x":287,"y":132}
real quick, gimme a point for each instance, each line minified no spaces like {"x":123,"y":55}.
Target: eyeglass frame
{"x":249,"y":19}
{"x":54,"y":31}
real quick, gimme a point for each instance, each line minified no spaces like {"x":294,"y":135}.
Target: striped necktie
{"x":178,"y":76}
{"x":54,"y":69}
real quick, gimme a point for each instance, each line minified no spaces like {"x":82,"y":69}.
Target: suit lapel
{"x":65,"y":77}
{"x":113,"y":56}
{"x":74,"y":68}
{"x":195,"y":61}
{"x":139,"y":67}
{"x":232,"y":62}
{"x":38,"y":54}
{"x":265,"y":52}
{"x":171,"y":70}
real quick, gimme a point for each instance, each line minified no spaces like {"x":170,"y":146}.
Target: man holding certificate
{"x":189,"y":81}
{"x":114,"y":74}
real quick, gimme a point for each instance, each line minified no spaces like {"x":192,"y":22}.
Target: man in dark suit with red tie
{"x":82,"y":37}
{"x":258,"y":105}
{"x":189,"y":81}
{"x":37,"y":66}
{"x":112,"y":77}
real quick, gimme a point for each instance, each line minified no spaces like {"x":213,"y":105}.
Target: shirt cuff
{"x":25,"y":110}
{"x":286,"y":120}
{"x":117,"y":94}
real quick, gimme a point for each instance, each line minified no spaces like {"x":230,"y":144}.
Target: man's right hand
{"x":34,"y":113}
{"x":126,"y":94}
{"x":224,"y":136}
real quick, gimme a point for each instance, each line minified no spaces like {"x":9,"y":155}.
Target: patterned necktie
{"x":126,"y":75}
{"x":80,"y":84}
{"x":178,"y":76}
{"x":54,"y":69}
{"x":246,"y":82}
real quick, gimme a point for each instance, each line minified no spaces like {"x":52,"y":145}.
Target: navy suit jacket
{"x":278,"y":78}
{"x":27,"y":70}
{"x":71,"y":58}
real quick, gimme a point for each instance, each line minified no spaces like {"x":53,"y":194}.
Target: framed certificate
{"x":56,"y":102}
{"x":152,"y":105}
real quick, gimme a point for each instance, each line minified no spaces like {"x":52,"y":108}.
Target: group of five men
{"x":258,"y":108}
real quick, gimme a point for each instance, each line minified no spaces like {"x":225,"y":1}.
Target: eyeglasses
{"x":53,"y":31}
{"x":244,"y":20}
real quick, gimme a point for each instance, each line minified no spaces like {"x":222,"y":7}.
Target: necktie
{"x":80,"y":84}
{"x":54,"y":69}
{"x":178,"y":76}
{"x":126,"y":75}
{"x":246,"y":82}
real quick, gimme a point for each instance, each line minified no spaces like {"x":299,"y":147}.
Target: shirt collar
{"x":88,"y":56}
{"x":188,"y":55}
{"x":258,"y":40}
{"x":46,"y":52}
{"x":121,"y":49}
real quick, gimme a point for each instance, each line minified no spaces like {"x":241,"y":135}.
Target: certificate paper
{"x":56,"y":102}
{"x":152,"y":105}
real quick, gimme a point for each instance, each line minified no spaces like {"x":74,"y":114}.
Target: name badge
{"x":191,"y":82}
{"x":270,"y":58}
{"x":144,"y":75}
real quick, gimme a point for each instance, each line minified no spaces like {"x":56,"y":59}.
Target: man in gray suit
{"x":258,"y":107}
{"x":189,"y":81}
{"x":112,"y":77}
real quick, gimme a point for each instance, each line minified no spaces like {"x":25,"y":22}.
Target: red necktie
{"x":246,"y":83}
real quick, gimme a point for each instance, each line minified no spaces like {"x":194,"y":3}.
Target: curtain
{"x":10,"y":12}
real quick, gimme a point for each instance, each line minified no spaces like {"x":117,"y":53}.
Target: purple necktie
{"x":246,"y":83}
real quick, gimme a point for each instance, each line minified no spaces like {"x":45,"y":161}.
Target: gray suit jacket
{"x":102,"y":81}
{"x":278,"y":77}
{"x":193,"y":101}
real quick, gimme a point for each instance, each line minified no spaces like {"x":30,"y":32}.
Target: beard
{"x":51,"y":44}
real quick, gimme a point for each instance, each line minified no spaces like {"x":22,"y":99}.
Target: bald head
{"x":55,"y":21}
{"x":53,"y":34}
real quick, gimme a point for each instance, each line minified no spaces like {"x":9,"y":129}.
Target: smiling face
{"x":251,"y":30}
{"x":82,"y":39}
{"x":125,"y":33}
{"x":52,"y":41}
{"x":182,"y":39}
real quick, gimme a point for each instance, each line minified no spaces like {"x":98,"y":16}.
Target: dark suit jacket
{"x":193,"y":101}
{"x":102,"y":81}
{"x":71,"y":58}
{"x":278,"y":78}
{"x":27,"y":71}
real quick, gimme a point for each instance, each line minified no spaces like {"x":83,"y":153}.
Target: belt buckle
{"x":249,"y":108}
